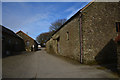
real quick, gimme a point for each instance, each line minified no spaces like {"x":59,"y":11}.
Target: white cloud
{"x":70,"y":9}
{"x":73,"y":12}
{"x":45,"y":0}
{"x":0,"y":13}
{"x":26,"y":15}
{"x":18,"y":21}
{"x":36,"y":18}
{"x":59,"y":0}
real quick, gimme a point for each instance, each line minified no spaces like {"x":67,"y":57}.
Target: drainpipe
{"x":80,"y":36}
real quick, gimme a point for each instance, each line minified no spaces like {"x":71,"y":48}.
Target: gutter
{"x":80,"y":38}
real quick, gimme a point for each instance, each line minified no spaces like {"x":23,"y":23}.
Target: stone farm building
{"x":30,"y":43}
{"x":11,"y":42}
{"x":88,"y":36}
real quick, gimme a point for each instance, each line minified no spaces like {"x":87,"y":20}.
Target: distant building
{"x":88,"y":36}
{"x":11,"y":42}
{"x":39,"y":46}
{"x":30,"y":43}
{"x":42,"y":38}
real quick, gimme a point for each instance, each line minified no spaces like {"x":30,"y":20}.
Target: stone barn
{"x":30,"y":43}
{"x":88,"y":36}
{"x":11,"y":43}
{"x":117,"y":40}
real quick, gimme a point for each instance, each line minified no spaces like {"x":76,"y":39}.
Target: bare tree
{"x":43,"y":37}
{"x":55,"y":25}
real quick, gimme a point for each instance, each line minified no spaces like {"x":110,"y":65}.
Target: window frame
{"x":67,"y":33}
{"x":117,"y":26}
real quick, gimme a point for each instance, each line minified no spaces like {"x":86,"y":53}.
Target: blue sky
{"x":36,"y":17}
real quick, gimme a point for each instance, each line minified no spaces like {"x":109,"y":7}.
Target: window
{"x":67,"y":35}
{"x":33,"y":46}
{"x":16,"y":43}
{"x":43,"y":43}
{"x":118,"y":26}
{"x":3,"y":38}
{"x":9,"y":41}
{"x":27,"y":43}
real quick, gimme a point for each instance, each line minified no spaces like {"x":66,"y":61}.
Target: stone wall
{"x":66,"y":41}
{"x":118,"y":57}
{"x":99,"y":30}
{"x":98,"y":34}
{"x":28,"y":47}
{"x":11,"y":43}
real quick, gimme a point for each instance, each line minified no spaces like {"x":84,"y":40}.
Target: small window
{"x":118,"y":26}
{"x":43,"y":43}
{"x":3,"y":38}
{"x":67,"y":35}
{"x":33,"y":46}
{"x":27,"y":43}
{"x":9,"y":41}
{"x":58,"y":39}
{"x":16,"y":43}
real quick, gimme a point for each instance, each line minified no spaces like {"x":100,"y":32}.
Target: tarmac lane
{"x":20,"y":66}
{"x":40,"y":64}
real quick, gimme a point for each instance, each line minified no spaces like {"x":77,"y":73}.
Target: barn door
{"x":58,"y":45}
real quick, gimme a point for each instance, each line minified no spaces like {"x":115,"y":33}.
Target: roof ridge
{"x":80,"y":10}
{"x":24,"y":33}
{"x":87,"y":5}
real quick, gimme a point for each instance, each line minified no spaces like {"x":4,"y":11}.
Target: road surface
{"x":43,"y":65}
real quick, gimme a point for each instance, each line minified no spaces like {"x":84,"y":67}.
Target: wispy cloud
{"x":35,"y":18}
{"x":74,"y":10}
{"x":22,"y":16}
{"x":46,"y":0}
{"x":70,"y":9}
{"x":0,"y":13}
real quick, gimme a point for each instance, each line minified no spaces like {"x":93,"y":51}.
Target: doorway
{"x":58,"y":45}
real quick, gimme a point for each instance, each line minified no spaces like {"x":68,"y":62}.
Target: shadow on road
{"x":17,"y":53}
{"x":108,"y":57}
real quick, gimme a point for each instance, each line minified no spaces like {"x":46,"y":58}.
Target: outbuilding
{"x":88,"y":36}
{"x":30,"y":43}
{"x":11,"y":43}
